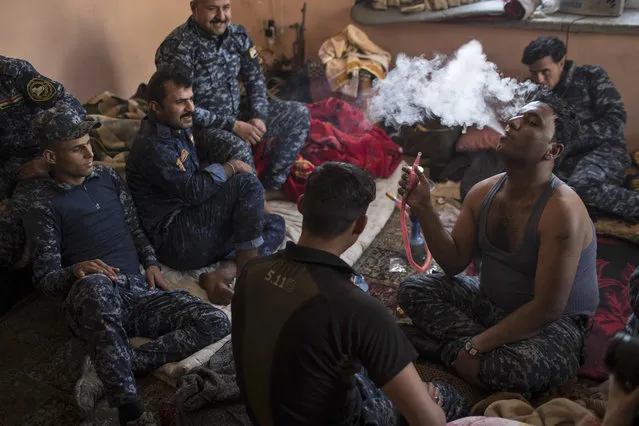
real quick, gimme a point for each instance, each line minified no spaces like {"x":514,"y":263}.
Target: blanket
{"x":339,"y":132}
{"x":210,"y":395}
{"x":348,"y":53}
{"x":557,"y":412}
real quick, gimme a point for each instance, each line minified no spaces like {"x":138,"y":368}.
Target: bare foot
{"x":278,"y":195}
{"x":217,"y":283}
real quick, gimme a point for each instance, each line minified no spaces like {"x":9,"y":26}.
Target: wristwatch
{"x":470,"y":347}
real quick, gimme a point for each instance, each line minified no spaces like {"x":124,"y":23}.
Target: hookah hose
{"x":413,"y":181}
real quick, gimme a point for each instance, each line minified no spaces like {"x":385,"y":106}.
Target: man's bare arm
{"x":454,"y":250}
{"x":561,"y":235}
{"x":407,"y":391}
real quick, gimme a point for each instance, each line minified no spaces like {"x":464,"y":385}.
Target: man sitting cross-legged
{"x":195,"y":217}
{"x":521,"y":325}
{"x":88,"y":248}
{"x":310,"y":347}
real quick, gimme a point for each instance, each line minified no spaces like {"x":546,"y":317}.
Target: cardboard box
{"x":593,"y":7}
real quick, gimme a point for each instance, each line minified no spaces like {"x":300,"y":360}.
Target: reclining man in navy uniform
{"x":88,"y":248}
{"x":23,"y":93}
{"x":214,"y":53}
{"x":195,"y":216}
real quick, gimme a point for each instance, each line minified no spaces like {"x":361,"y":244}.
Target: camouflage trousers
{"x":378,"y":410}
{"x":448,"y":311}
{"x":107,"y":313}
{"x":233,"y":219}
{"x":12,"y":234}
{"x":598,"y":178}
{"x":288,"y":122}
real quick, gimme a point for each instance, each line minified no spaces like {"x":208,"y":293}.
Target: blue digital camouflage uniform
{"x":448,"y":311}
{"x":106,"y":313}
{"x":595,"y":164}
{"x":215,"y":63}
{"x":23,"y":93}
{"x":70,"y":224}
{"x":195,"y":217}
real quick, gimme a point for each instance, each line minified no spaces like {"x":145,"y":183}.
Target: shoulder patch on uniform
{"x":180,"y":161}
{"x":40,"y":90}
{"x":253,"y":52}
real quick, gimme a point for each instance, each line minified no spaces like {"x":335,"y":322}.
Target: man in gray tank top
{"x":519,"y":326}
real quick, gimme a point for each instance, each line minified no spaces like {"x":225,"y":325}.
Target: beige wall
{"x":93,"y":45}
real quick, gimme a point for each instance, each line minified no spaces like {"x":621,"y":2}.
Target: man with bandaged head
{"x":215,"y":53}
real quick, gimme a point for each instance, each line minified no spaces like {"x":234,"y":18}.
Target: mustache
{"x":187,"y":114}
{"x":217,"y":21}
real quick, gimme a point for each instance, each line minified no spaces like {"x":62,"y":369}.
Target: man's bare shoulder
{"x":566,"y":214}
{"x":479,"y":192}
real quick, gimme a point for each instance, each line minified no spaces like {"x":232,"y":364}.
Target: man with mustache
{"x":520,"y":326}
{"x":89,"y":248}
{"x":195,"y":216}
{"x":214,"y":52}
{"x":24,"y":92}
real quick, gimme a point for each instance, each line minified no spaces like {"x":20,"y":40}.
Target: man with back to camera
{"x":215,"y":52}
{"x":310,"y":347}
{"x":195,"y":217}
{"x":520,"y":326}
{"x":595,"y":162}
{"x":23,"y":93}
{"x":88,"y":249}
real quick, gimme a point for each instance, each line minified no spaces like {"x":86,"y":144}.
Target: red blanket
{"x":339,"y":132}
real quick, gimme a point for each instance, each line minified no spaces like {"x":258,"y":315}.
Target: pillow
{"x":616,"y":261}
{"x":475,"y":139}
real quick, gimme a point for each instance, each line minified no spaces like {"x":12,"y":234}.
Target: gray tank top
{"x":508,"y":279}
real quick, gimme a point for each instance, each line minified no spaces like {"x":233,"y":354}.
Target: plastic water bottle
{"x":361,"y":283}
{"x":416,"y":241}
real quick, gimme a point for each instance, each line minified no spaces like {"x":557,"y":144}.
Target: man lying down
{"x":521,"y":325}
{"x":88,"y":249}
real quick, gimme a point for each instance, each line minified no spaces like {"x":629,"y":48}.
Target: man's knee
{"x":97,"y":288}
{"x":213,"y":323}
{"x":291,"y":114}
{"x":247,"y":185}
{"x":415,"y":287}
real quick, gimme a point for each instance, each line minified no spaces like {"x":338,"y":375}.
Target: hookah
{"x":416,"y":239}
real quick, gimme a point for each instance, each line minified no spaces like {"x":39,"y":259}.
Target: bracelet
{"x":232,"y":168}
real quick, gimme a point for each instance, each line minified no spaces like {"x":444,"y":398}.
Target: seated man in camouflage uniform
{"x":519,"y":326}
{"x":594,"y":163}
{"x":215,"y":52}
{"x":88,"y":249}
{"x":23,"y":93}
{"x":195,"y":217}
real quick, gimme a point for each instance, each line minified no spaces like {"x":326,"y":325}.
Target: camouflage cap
{"x":62,"y":123}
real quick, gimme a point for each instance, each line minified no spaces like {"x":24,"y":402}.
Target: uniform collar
{"x":164,"y":131}
{"x":566,"y":79}
{"x":66,"y":187}
{"x":318,"y":257}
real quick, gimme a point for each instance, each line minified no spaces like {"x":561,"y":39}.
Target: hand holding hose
{"x":414,"y":187}
{"x":415,"y":191}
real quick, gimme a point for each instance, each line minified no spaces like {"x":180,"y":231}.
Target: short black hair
{"x":336,"y":195}
{"x":156,"y":89}
{"x":544,"y":46}
{"x":567,"y":126}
